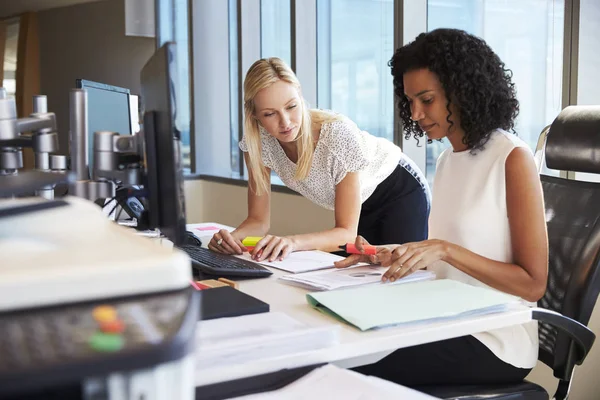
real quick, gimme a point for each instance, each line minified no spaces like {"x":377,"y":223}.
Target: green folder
{"x":377,"y":306}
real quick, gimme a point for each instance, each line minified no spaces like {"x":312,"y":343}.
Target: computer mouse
{"x":190,"y":238}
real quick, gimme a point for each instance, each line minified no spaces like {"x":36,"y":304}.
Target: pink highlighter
{"x":350,"y":248}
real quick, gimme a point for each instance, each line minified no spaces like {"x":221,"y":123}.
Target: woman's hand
{"x":402,"y":259}
{"x":273,"y":248}
{"x":383,"y":254}
{"x":410,"y":257}
{"x":224,"y":242}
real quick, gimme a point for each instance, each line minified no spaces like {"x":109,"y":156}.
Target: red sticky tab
{"x":199,"y":286}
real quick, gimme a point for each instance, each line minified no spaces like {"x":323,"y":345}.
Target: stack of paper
{"x":331,"y":382}
{"x":349,"y":277}
{"x":301,"y":261}
{"x":237,"y":340}
{"x":385,"y":305}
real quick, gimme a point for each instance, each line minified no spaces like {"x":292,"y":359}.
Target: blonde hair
{"x":262,"y":74}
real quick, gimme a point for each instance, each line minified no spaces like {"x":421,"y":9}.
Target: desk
{"x":355,"y":347}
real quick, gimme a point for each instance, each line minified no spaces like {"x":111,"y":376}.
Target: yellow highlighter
{"x":250,"y":241}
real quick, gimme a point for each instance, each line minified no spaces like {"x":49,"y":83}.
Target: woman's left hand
{"x":272,"y":248}
{"x":409,"y":257}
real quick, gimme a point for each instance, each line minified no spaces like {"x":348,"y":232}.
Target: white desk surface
{"x":355,"y":347}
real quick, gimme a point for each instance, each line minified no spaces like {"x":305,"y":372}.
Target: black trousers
{"x":398,"y":210}
{"x":463,"y":360}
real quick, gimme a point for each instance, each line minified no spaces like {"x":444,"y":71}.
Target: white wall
{"x":227,"y":204}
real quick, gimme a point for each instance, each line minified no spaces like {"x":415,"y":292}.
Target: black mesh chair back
{"x":572,"y":213}
{"x":573,"y":220}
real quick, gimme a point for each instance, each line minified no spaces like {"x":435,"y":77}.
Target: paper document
{"x":237,"y":340}
{"x":349,"y":277}
{"x":301,"y":261}
{"x":331,"y":382}
{"x":376,"y":306}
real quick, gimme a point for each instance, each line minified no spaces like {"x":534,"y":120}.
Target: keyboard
{"x":213,"y":263}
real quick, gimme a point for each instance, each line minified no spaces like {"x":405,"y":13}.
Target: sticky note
{"x":208,"y":228}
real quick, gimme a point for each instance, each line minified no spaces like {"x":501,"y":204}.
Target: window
{"x":355,"y":41}
{"x":183,"y":116}
{"x":172,"y":25}
{"x":528,"y":36}
{"x":340,"y":50}
{"x":214,"y":56}
{"x":235,"y":109}
{"x":588,"y":85}
{"x":10,"y":56}
{"x":276,"y":30}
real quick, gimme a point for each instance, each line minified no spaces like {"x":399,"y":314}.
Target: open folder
{"x":379,"y":306}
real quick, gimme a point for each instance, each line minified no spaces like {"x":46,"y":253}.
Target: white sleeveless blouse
{"x":469,"y":209}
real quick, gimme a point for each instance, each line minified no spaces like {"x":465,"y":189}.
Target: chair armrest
{"x":581,"y":334}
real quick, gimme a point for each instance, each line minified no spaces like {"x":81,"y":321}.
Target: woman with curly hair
{"x":487,"y":226}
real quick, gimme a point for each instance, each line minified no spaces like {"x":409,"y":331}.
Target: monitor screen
{"x":108,"y":110}
{"x":164,"y":172}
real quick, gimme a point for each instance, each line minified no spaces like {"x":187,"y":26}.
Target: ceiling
{"x":11,"y":8}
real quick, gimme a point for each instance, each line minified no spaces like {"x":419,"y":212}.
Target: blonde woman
{"x":373,"y":188}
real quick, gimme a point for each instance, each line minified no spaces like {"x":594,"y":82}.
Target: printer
{"x":89,"y":309}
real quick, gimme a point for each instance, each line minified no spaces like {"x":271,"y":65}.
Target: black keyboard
{"x":213,"y":263}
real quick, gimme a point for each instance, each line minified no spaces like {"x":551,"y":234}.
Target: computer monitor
{"x":164,"y":172}
{"x":108,"y":110}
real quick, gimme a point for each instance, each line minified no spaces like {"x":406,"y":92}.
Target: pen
{"x":350,"y":248}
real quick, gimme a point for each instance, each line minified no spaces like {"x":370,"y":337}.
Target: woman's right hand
{"x":225,"y":243}
{"x":382,"y":256}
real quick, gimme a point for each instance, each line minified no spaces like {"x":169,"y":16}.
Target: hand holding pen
{"x":224,"y":242}
{"x":402,"y":259}
{"x":362,"y":252}
{"x":365,"y":248}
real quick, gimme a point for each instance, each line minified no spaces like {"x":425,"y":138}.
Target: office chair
{"x":573,"y":220}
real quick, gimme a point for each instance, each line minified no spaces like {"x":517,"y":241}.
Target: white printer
{"x":90,"y":308}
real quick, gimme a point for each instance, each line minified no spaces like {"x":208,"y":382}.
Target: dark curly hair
{"x":473,"y":77}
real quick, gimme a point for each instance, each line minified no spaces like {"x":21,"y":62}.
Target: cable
{"x":113,"y":209}
{"x":118,"y":214}
{"x":107,"y":202}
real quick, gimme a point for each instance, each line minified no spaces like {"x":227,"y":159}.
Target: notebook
{"x":370,"y":307}
{"x":228,"y":302}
